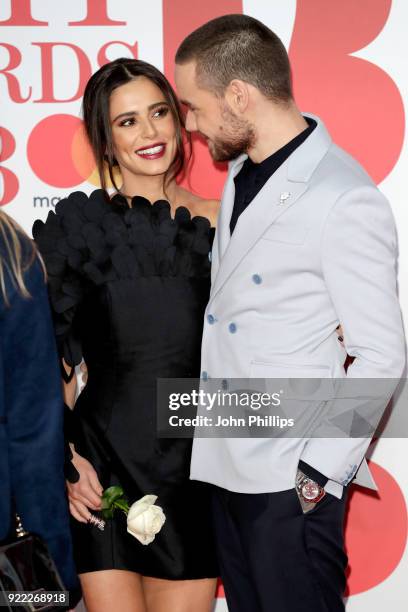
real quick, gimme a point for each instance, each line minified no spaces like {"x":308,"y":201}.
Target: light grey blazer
{"x":315,"y":248}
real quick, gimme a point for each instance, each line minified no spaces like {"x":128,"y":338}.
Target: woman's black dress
{"x":128,"y":289}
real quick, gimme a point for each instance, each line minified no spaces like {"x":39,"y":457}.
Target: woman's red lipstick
{"x":154,"y":151}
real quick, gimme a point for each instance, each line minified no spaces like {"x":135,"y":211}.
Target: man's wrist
{"x":309,"y":492}
{"x":312,"y":473}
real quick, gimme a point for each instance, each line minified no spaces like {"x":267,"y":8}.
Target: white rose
{"x":144,"y":519}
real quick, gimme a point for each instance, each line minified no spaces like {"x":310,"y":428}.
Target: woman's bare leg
{"x":109,"y":590}
{"x":179,"y":595}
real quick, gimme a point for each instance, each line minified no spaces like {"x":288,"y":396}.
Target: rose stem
{"x":122,"y":505}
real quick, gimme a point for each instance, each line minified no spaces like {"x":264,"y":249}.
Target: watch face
{"x":310,"y":490}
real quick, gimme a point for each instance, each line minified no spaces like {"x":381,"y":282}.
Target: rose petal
{"x":141,"y":505}
{"x":146,"y":521}
{"x":143,"y":539}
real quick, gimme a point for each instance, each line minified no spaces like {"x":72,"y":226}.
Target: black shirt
{"x":252,"y":177}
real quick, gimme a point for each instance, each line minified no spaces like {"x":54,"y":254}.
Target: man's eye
{"x":187,"y":108}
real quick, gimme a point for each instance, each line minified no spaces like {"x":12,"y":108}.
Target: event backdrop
{"x":348,"y":61}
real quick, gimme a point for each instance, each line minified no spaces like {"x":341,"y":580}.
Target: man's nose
{"x":191,"y":125}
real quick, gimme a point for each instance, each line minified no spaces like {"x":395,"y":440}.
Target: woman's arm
{"x":86,"y":491}
{"x":69,"y":388}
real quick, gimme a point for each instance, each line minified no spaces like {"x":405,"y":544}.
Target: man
{"x":305,"y":241}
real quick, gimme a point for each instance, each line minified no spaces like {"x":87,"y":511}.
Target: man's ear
{"x":237,"y":95}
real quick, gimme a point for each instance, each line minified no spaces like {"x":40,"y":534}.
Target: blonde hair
{"x":15,"y":262}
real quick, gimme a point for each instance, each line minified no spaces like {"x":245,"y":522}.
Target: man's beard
{"x":241,"y":137}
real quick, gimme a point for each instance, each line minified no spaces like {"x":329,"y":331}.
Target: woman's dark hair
{"x":95,"y":107}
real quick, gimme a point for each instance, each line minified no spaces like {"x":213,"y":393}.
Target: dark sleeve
{"x":62,"y":246}
{"x":73,"y":245}
{"x":35,"y":420}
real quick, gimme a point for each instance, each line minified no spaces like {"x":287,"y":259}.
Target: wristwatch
{"x":308,"y":490}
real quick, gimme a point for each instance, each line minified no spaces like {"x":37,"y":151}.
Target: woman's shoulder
{"x":74,"y":241}
{"x":74,"y":210}
{"x":200,"y":207}
{"x":77,"y":226}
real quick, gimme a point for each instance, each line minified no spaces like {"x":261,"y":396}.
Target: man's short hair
{"x":238,"y":47}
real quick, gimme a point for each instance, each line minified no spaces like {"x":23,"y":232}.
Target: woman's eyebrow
{"x":132,"y":113}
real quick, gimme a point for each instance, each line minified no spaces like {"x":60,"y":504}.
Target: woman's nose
{"x":149,"y":129}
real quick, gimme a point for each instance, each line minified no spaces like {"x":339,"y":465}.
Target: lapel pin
{"x":283,"y":197}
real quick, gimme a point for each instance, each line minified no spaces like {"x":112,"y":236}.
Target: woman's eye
{"x":161,"y":112}
{"x":127,"y":122}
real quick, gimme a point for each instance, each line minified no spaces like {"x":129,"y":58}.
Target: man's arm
{"x":359,"y":250}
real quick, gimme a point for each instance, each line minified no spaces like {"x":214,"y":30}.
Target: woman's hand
{"x":84,"y":372}
{"x":87,"y":492}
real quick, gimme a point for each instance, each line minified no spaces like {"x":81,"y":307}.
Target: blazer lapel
{"x":228,"y":198}
{"x":274,"y":199}
{"x":280,"y":192}
{"x":222,"y":234}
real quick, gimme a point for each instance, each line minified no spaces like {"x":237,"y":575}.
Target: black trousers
{"x":274,"y":558}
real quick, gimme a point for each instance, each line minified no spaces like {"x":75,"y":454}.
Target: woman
{"x":129,"y":281}
{"x":31,"y":407}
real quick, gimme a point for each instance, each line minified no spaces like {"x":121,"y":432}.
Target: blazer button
{"x":257,"y":279}
{"x":232,"y":328}
{"x":210,"y":256}
{"x":211,"y":319}
{"x":204,"y":375}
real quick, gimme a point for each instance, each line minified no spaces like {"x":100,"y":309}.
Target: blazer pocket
{"x":289,"y":235}
{"x":307,"y":382}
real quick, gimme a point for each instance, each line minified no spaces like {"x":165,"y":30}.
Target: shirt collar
{"x":268,"y":166}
